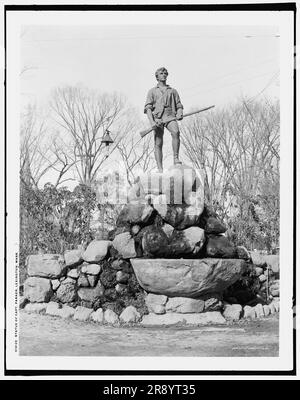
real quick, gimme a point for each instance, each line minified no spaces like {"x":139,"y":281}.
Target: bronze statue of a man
{"x":162,"y":104}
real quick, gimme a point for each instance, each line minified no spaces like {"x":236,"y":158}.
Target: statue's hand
{"x":179,"y":116}
{"x":157,"y":123}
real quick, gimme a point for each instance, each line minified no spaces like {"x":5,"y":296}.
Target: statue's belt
{"x":165,"y":116}
{"x":166,"y":120}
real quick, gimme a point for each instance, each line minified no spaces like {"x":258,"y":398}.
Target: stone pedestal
{"x":187,"y":277}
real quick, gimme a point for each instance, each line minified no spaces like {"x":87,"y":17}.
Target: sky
{"x":208,"y":65}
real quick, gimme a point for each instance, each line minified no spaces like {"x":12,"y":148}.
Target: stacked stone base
{"x":168,"y":261}
{"x":210,"y":309}
{"x":70,"y":287}
{"x":81,"y":283}
{"x":230,"y":313}
{"x":85,"y":314}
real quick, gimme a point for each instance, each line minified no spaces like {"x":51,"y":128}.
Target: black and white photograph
{"x":149,"y":189}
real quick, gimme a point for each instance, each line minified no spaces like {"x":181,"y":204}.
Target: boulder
{"x":122,"y":277}
{"x":66,"y":293}
{"x":124,"y":244}
{"x":156,"y":303}
{"x":37,"y":290}
{"x":249,"y":312}
{"x":258,"y":271}
{"x":22,"y":302}
{"x":264,"y":260}
{"x":272,"y":308}
{"x":243,"y":253}
{"x":266,"y":309}
{"x":177,"y":182}
{"x":212,"y":302}
{"x":168,"y":229}
{"x":121,"y":288}
{"x":154,"y":241}
{"x":210,"y":222}
{"x":96,"y":251}
{"x":117,"y":231}
{"x":232,"y":312}
{"x":92,"y":279}
{"x":184,"y":305}
{"x":274,"y":288}
{"x":130,"y":315}
{"x":214,"y":226}
{"x":160,"y":204}
{"x":91,"y":294}
{"x":83,"y":281}
{"x":136,"y":212}
{"x":275,"y":284}
{"x":66,"y":312}
{"x":120,"y":265}
{"x":180,"y":216}
{"x":55,"y":284}
{"x":187,"y":241}
{"x":259,"y":311}
{"x":262,"y":278}
{"x":258,"y":259}
{"x":276,"y":305}
{"x":110,"y":317}
{"x":36,"y":307}
{"x":82,"y":313}
{"x":46,"y":265}
{"x":187,"y":277}
{"x":73,"y":273}
{"x":272,"y":262}
{"x":52,"y":309}
{"x":73,"y":258}
{"x":98,"y":316}
{"x":91,"y":269}
{"x":274,"y":292}
{"x":220,"y":246}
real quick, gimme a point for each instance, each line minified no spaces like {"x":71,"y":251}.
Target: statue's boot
{"x":176,"y":160}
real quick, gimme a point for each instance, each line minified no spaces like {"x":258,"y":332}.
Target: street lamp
{"x":106,"y":139}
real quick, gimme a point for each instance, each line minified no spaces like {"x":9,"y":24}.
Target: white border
{"x":284,"y":21}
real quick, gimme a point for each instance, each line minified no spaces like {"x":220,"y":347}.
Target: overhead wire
{"x":275,"y":76}
{"x":232,"y":73}
{"x":229,"y":84}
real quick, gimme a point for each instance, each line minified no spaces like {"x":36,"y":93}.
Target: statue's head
{"x":159,"y":71}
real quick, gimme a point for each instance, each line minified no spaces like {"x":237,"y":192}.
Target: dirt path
{"x":42,"y":335}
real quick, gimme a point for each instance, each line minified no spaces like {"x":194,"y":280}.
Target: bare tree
{"x":40,"y":151}
{"x":84,"y":115}
{"x":33,"y":149}
{"x":136,"y":154}
{"x":237,"y":147}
